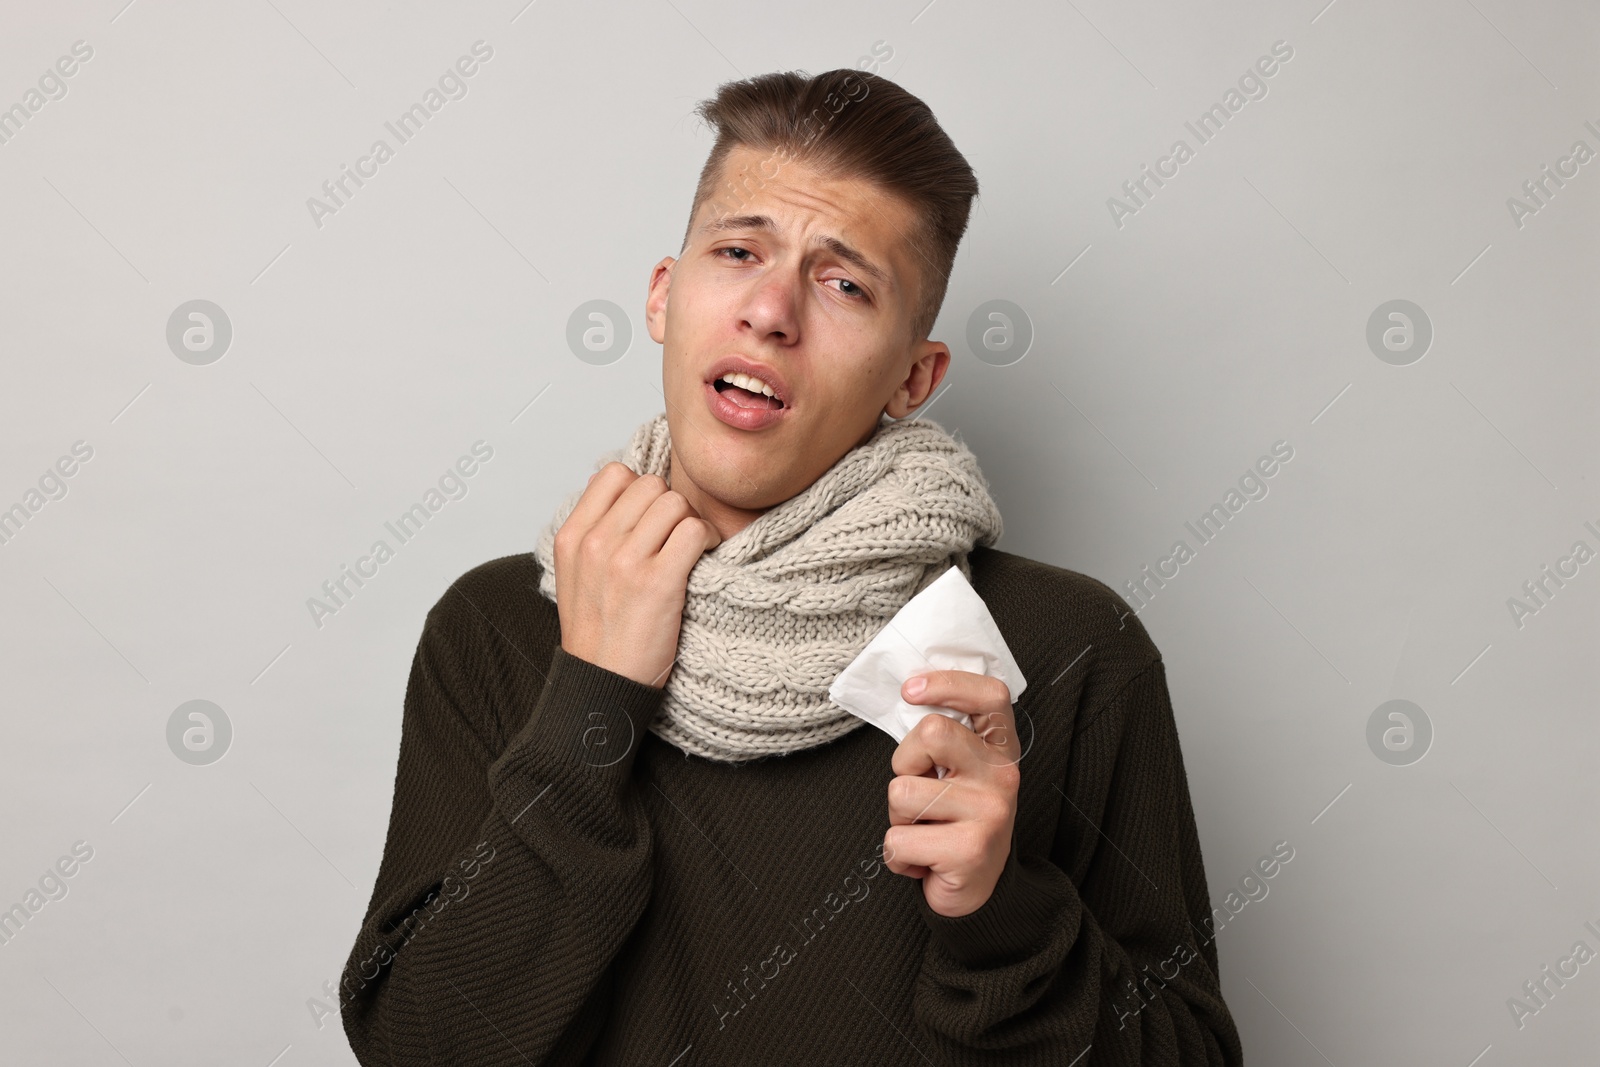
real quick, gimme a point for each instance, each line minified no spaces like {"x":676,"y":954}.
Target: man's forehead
{"x":800,"y":185}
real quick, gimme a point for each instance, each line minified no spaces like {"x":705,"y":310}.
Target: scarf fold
{"x":774,"y":613}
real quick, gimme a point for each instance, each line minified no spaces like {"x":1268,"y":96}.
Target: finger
{"x":913,"y":798}
{"x":657,"y":523}
{"x":909,"y":870}
{"x":918,"y":873}
{"x":985,"y":700}
{"x":604,"y":487}
{"x":997,"y":730}
{"x":619,"y":521}
{"x":892,"y":861}
{"x":928,"y":845}
{"x":689,"y":540}
{"x":963,"y":691}
{"x":938,"y":741}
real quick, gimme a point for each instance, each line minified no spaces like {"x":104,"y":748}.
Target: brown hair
{"x":850,"y":123}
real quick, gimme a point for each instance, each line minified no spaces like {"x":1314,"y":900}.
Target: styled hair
{"x":848,"y":124}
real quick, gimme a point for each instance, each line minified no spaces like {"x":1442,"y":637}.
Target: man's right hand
{"x":623,"y":559}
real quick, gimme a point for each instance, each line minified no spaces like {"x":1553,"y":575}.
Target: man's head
{"x":819,"y":247}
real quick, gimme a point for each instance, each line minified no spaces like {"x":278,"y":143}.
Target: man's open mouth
{"x":746,"y":392}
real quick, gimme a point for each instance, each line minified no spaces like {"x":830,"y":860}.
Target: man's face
{"x":810,"y":284}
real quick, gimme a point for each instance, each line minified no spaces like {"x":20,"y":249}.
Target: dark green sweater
{"x":560,"y":886}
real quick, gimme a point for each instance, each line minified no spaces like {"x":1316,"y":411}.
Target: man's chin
{"x":737,"y":471}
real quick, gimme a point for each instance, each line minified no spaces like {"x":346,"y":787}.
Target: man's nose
{"x":773,"y":304}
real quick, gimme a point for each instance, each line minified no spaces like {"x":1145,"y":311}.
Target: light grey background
{"x":1169,"y":354}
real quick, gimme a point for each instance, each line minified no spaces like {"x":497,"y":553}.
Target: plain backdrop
{"x":1169,"y":346}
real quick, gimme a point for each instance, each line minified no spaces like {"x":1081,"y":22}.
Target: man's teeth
{"x":754,"y":385}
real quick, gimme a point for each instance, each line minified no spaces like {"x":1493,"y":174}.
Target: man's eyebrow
{"x":724,"y":223}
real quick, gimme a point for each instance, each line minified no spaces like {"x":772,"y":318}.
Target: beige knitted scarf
{"x":775,"y":612}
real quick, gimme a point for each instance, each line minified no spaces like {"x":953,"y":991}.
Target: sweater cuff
{"x":1013,"y":924}
{"x":587,"y":718}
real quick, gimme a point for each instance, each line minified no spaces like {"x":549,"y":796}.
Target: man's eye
{"x":746,"y":251}
{"x":854,"y":290}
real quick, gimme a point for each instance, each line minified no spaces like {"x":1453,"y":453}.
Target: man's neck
{"x":727,"y":519}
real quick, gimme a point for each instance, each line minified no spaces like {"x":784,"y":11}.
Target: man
{"x":629,"y":827}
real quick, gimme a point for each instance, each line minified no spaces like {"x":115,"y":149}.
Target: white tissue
{"x":946,"y":627}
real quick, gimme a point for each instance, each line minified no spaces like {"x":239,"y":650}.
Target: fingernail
{"x":916,"y":686}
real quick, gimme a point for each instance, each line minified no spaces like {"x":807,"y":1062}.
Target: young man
{"x":629,"y":826}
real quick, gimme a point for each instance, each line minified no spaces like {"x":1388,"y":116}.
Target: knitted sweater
{"x":561,"y":886}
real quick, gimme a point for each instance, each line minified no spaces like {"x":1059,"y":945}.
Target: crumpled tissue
{"x":946,"y":627}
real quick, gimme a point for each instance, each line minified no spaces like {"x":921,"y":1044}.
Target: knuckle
{"x":997,"y":809}
{"x":592,"y":553}
{"x":900,"y":789}
{"x":890,"y":851}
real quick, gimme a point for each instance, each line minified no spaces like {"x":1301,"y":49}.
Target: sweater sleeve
{"x":510,"y":878}
{"x":1096,"y":954}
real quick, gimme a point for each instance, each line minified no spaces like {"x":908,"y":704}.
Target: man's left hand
{"x":955,"y":833}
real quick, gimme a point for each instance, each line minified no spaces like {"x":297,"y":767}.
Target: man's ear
{"x":655,"y":304}
{"x":927,"y":371}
